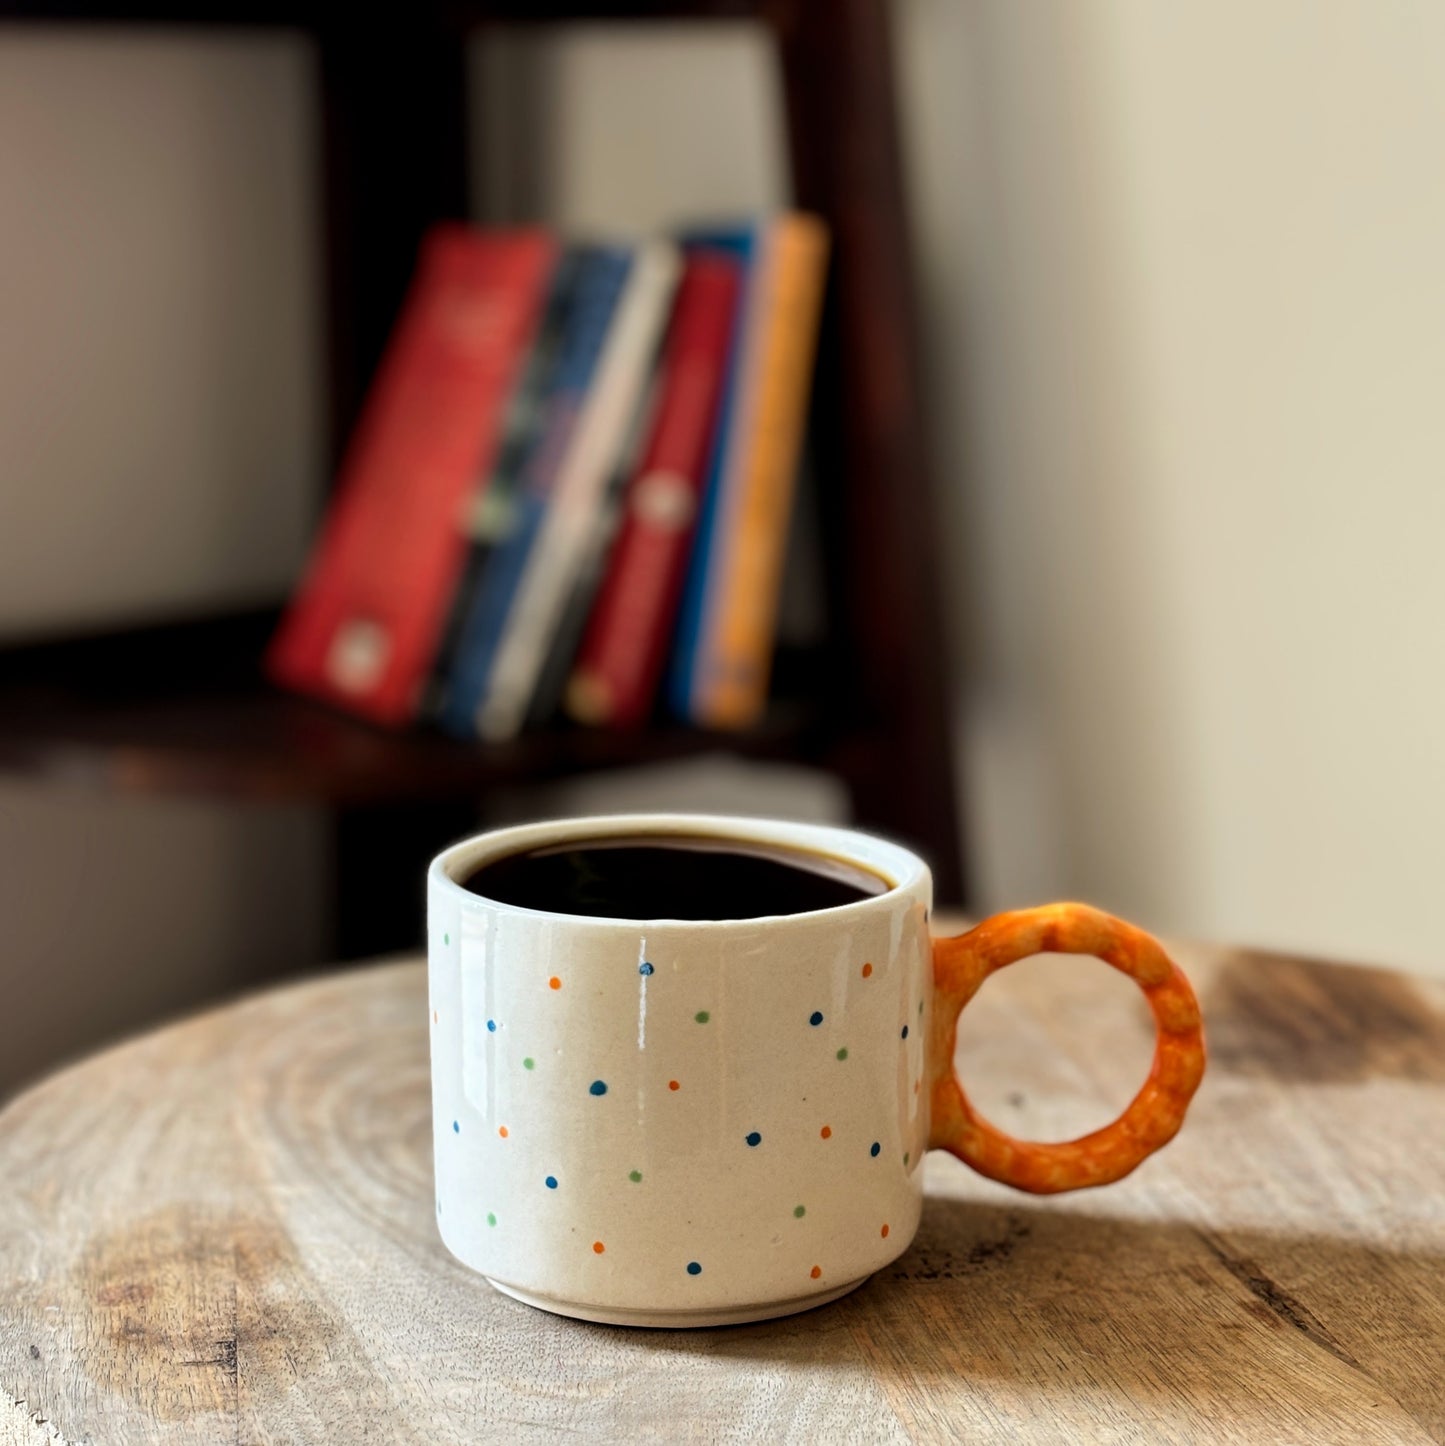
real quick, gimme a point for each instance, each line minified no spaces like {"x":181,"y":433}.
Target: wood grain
{"x":223,"y":1232}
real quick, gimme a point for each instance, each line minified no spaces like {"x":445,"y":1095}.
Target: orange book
{"x":740,"y":620}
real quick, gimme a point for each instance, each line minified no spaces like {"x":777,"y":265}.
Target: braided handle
{"x":1153,"y":1118}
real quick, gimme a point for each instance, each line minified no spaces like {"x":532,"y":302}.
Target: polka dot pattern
{"x":753,"y":1139}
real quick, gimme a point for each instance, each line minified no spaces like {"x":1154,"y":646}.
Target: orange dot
{"x":816,"y":1271}
{"x":672,"y":1084}
{"x":867,"y":970}
{"x":502,"y":1131}
{"x":885,"y":1232}
{"x":598,"y":1247}
{"x":916,"y":1083}
{"x":826,"y":1132}
{"x":554,"y":983}
{"x":433,"y":1016}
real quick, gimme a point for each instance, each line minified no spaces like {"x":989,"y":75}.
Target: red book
{"x":364,"y":624}
{"x":620,"y":661}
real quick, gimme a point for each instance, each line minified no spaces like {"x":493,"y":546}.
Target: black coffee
{"x":673,"y":877}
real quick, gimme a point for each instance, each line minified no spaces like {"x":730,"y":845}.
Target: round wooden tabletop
{"x":223,"y":1231}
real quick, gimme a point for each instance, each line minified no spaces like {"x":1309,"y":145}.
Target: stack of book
{"x":570,"y":487}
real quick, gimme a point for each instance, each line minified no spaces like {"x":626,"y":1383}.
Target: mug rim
{"x":899,"y":867}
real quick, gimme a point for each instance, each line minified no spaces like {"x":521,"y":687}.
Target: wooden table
{"x":223,"y":1232}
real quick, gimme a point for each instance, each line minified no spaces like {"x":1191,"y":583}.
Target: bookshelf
{"x":182,"y":708}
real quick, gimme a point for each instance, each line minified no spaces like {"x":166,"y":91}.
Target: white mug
{"x":664,"y":1122}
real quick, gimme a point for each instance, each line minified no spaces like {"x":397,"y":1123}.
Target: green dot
{"x":905,"y":1157}
{"x":446,"y":938}
{"x":702,"y":1016}
{"x":529,"y":1063}
{"x":843,"y":1053}
{"x":635,"y":1176}
{"x":798,"y":1212}
{"x":491,"y":1219}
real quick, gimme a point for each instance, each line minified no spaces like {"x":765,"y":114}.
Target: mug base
{"x":676,"y":1319}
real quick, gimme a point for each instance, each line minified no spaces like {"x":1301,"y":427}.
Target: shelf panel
{"x":183,"y":710}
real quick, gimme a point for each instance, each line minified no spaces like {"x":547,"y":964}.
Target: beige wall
{"x":160,"y":417}
{"x":160,"y":443}
{"x":1208,"y":460}
{"x":1185,"y":320}
{"x":1183,"y":306}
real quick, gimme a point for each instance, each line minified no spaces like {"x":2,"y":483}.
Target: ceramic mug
{"x":672,"y":1123}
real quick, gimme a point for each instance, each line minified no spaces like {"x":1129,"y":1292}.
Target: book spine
{"x":491,"y":511}
{"x":619,"y":663}
{"x":740,"y":610}
{"x":593,"y":454}
{"x":602,"y":275}
{"x":363,"y":625}
{"x":744,"y":247}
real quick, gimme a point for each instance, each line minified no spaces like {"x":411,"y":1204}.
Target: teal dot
{"x":798,"y":1212}
{"x":644,"y":968}
{"x":597,"y":1087}
{"x":529,"y":1063}
{"x":702,"y":1016}
{"x":635,"y":1176}
{"x":491,"y":1219}
{"x":843,"y":1053}
{"x":456,"y":1127}
{"x":875,"y":1149}
{"x":754,"y":1138}
{"x":550,"y":1182}
{"x":693,"y":1268}
{"x":815,"y":1018}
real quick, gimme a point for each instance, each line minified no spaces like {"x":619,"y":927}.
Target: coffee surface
{"x":673,"y":877}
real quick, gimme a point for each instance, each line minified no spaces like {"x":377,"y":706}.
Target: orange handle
{"x":1153,"y":1118}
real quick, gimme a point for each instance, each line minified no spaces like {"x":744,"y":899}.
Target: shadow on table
{"x":1037,"y":1299}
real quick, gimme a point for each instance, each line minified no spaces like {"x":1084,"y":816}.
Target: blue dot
{"x":644,"y":967}
{"x":598,"y":1087}
{"x":875,"y":1149}
{"x":754,"y":1138}
{"x":693,"y":1268}
{"x":551,"y":1182}
{"x":816,"y":1017}
{"x":905,"y":1031}
{"x":491,"y":1026}
{"x":456,"y":1128}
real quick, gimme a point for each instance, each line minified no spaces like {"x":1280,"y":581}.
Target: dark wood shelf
{"x":184,"y":710}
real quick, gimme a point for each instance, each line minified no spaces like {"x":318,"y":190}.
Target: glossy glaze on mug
{"x":679,"y":1123}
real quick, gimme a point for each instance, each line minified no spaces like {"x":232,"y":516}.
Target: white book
{"x":593,"y":454}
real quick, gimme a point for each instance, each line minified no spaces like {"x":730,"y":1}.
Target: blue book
{"x":743,"y":245}
{"x":496,"y":503}
{"x":600,"y":276}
